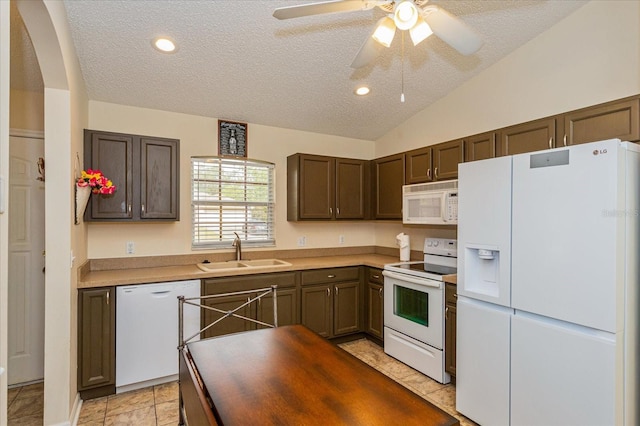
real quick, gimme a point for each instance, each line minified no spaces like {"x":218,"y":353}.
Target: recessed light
{"x":361,"y":91}
{"x":164,"y":45}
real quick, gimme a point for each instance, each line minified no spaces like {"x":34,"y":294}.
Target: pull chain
{"x":402,"y":70}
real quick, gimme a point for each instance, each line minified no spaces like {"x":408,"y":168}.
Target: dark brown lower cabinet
{"x":450,"y":328}
{"x":261,"y":310}
{"x":375,"y":303}
{"x":96,"y":342}
{"x":331,"y":301}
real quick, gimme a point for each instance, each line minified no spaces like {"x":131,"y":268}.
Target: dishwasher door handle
{"x":163,"y":293}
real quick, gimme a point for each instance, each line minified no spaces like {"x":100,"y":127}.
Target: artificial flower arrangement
{"x":96,"y":181}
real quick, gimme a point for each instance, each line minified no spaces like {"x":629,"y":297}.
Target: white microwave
{"x":434,"y":203}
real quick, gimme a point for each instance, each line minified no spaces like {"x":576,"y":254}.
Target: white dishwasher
{"x":147,"y":332}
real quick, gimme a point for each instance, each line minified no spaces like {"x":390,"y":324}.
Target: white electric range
{"x":414,"y":308}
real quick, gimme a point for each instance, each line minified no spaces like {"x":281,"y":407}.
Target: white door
{"x":561,"y":374}
{"x":483,"y":361}
{"x":26,"y":262}
{"x":566,"y":209}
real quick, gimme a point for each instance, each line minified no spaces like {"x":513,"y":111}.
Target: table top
{"x":290,"y":375}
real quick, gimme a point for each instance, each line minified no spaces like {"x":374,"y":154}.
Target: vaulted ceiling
{"x":236,"y":61}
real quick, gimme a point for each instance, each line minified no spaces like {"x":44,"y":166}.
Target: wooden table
{"x":291,"y":376}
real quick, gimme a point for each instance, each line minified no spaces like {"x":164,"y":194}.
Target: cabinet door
{"x":159,"y":178}
{"x":231,"y":324}
{"x":375,"y":313}
{"x":450,"y":296}
{"x":480,"y":147}
{"x":388,"y":181}
{"x":97,"y":343}
{"x":446,"y":157}
{"x":350,"y":188}
{"x":316,"y":309}
{"x":532,"y":136}
{"x":317,"y":187}
{"x":450,"y":340}
{"x":346,"y":308}
{"x":613,"y":120}
{"x":287,"y":308}
{"x":418,"y":166}
{"x":113,"y":154}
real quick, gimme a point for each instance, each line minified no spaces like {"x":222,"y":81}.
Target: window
{"x":232,"y":195}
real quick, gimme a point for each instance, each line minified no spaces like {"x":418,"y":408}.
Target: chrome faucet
{"x":238,"y":245}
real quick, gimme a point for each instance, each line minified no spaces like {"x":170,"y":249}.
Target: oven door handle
{"x":406,"y":278}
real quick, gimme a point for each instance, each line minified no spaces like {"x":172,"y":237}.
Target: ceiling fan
{"x":417,"y":16}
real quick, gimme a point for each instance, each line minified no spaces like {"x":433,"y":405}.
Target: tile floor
{"x":158,"y":405}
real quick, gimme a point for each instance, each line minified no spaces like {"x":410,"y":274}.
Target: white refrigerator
{"x":548,"y":323}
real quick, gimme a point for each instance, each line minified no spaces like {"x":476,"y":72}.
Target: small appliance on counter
{"x":414,"y":308}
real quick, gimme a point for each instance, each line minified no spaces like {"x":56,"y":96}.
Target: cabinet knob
{"x":377,"y":277}
{"x":338,"y":211}
{"x":435,"y":173}
{"x":380,"y":292}
{"x":564,"y":140}
{"x":446,"y":312}
{"x":142,"y":208}
{"x":331,"y":276}
{"x":129,"y":208}
{"x":336,"y":288}
{"x":330,"y":210}
{"x":108,"y":293}
{"x":551,"y":142}
{"x":328,"y":292}
{"x":429,"y":173}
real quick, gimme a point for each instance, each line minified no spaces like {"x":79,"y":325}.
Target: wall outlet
{"x":341,"y":239}
{"x":302,"y":241}
{"x":131,"y":247}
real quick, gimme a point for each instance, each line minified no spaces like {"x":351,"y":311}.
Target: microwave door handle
{"x":420,"y":281}
{"x":443,"y":206}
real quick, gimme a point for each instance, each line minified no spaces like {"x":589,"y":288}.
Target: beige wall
{"x":590,"y":57}
{"x":27,"y":110}
{"x":198,"y":136}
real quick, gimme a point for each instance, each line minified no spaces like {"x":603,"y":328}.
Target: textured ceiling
{"x":235,"y":61}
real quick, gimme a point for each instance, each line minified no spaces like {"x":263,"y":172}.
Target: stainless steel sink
{"x":236,"y":264}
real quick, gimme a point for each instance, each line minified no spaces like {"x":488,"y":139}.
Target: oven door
{"x":414,"y":306}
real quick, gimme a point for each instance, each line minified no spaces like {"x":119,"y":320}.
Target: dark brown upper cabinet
{"x":480,"y":147}
{"x":435,"y":162}
{"x":326,"y":188}
{"x":388,"y":178}
{"x":620,"y":119}
{"x":527,"y":137}
{"x":145,"y":171}
{"x":446,"y":157}
{"x":418,"y":166}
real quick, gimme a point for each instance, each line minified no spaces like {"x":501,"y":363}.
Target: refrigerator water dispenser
{"x":482,"y":271}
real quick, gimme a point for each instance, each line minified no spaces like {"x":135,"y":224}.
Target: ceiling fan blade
{"x":323,"y":7}
{"x":452,"y":30}
{"x":368,"y":52}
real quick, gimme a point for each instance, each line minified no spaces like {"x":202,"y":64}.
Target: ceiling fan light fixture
{"x":405,"y":14}
{"x":385,"y":31}
{"x":420,"y":31}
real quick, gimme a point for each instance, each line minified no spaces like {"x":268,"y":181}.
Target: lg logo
{"x":599,"y":151}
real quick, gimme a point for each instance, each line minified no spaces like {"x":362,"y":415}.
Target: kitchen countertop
{"x":451,"y":279}
{"x":116,"y":277}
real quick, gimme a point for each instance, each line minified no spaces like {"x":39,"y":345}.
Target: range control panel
{"x":441,"y":246}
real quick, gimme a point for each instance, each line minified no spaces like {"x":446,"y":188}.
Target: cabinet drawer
{"x":248,"y":282}
{"x":451,"y":294}
{"x":330,"y":275}
{"x":375,"y":276}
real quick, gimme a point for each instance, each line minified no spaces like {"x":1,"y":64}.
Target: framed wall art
{"x":232,"y":139}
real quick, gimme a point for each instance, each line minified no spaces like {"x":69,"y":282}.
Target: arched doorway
{"x":46,"y":24}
